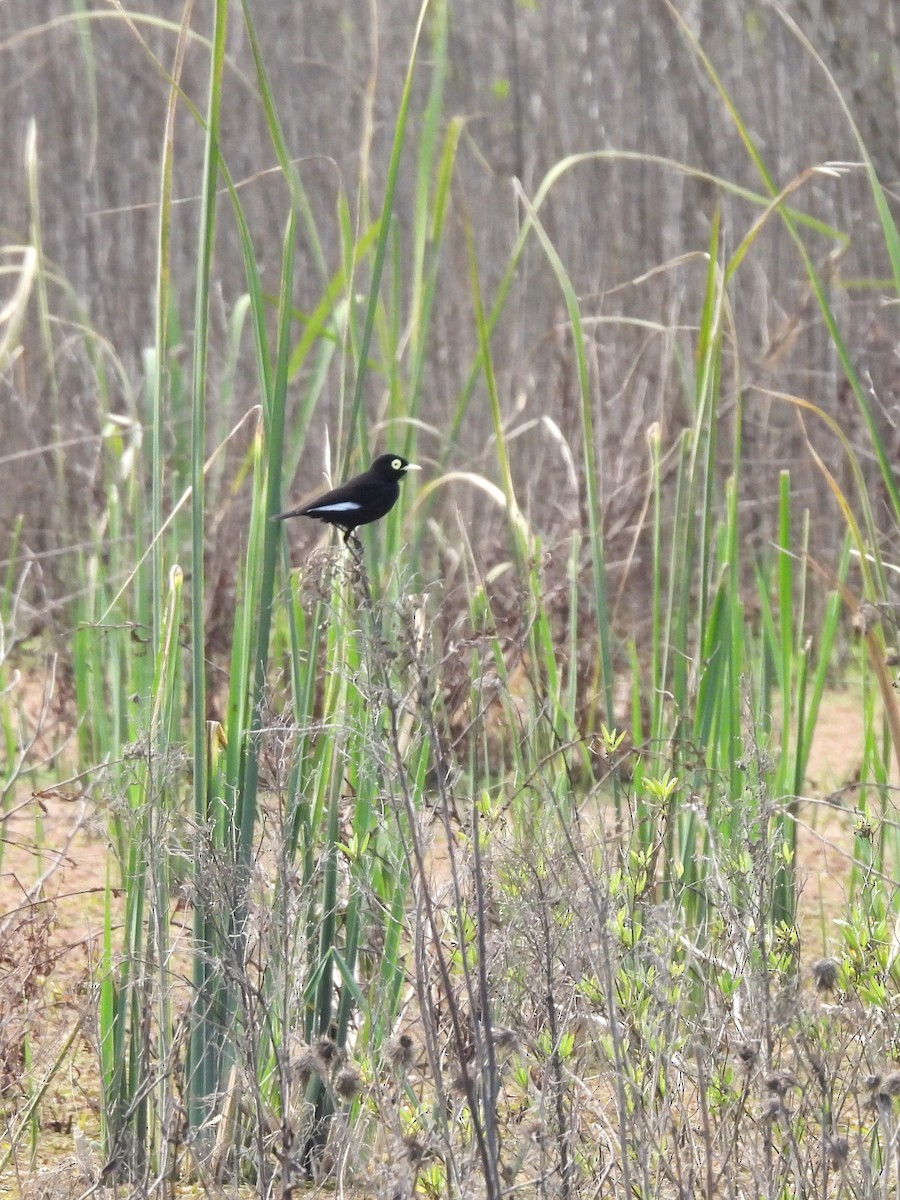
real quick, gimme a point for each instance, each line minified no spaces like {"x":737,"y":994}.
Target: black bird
{"x":360,"y":500}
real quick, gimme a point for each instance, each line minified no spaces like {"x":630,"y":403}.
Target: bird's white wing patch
{"x":341,"y":506}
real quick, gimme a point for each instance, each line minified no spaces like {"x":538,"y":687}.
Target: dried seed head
{"x":881,"y":1102}
{"x":838,"y":1150}
{"x":307,"y":1064}
{"x":778,"y":1082}
{"x":328,"y":1051}
{"x":872,"y":1082}
{"x":413,"y":1149}
{"x":890,"y":1085}
{"x":348,"y":1083}
{"x":825,"y":974}
{"x":747,"y":1052}
{"x":401,"y":1051}
{"x":506,"y":1039}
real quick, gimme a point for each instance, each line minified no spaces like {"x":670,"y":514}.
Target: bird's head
{"x":392,"y":466}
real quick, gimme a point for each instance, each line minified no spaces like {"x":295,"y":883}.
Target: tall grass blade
{"x":202,"y":1079}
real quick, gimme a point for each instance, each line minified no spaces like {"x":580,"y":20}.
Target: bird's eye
{"x":397,"y":463}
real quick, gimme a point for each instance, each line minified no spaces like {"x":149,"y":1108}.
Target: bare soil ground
{"x":825,"y":841}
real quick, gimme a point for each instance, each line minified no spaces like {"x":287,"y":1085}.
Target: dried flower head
{"x":748,"y":1052}
{"x":306,"y":1065}
{"x":838,"y":1151}
{"x":506,"y":1039}
{"x":825,"y":974}
{"x":401,"y":1051}
{"x":881,"y":1103}
{"x":329,"y":1052}
{"x":414,"y":1150}
{"x":348,"y":1083}
{"x":778,"y":1082}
